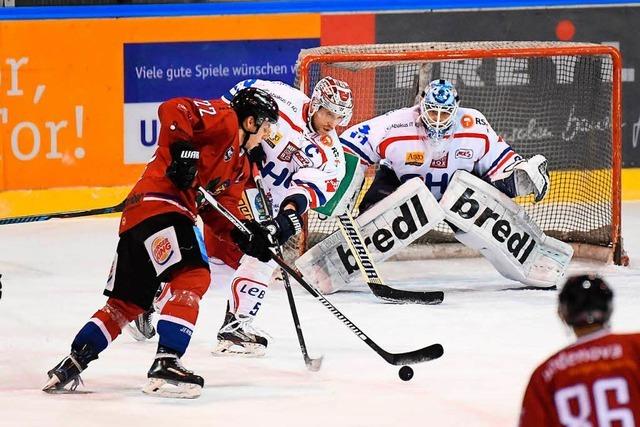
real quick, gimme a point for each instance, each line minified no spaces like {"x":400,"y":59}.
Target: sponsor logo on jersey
{"x":440,"y":163}
{"x":326,"y":140}
{"x":464,"y":153}
{"x":467,"y":121}
{"x":274,"y":139}
{"x":228,"y":154}
{"x":302,"y":160}
{"x":482,"y":122}
{"x":261,"y":209}
{"x":414,"y":158}
{"x":215,"y":188}
{"x":287,"y":154}
{"x":401,"y":125}
{"x":332,"y":184}
{"x":161,"y":250}
{"x":520,"y":245}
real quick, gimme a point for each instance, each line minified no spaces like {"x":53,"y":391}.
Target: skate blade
{"x":52,"y":387}
{"x":171,"y":389}
{"x":228,"y":348}
{"x":135,"y":333}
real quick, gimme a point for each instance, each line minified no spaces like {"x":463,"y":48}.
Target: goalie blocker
{"x":487,"y":220}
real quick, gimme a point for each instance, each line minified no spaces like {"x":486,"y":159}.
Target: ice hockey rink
{"x":54,"y":272}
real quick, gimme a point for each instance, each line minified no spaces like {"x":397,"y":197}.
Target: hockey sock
{"x":249,"y":286}
{"x":105,"y":325}
{"x":246,"y":296}
{"x":178,"y":316}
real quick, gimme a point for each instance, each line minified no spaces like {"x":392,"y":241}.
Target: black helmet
{"x":256,"y":103}
{"x":585,"y":300}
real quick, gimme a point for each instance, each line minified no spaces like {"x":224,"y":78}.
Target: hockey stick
{"x":370,"y":274}
{"x":430,"y":352}
{"x":71,"y":214}
{"x":312,"y":364}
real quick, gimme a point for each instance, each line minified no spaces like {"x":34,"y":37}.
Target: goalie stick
{"x":71,"y":214}
{"x":430,"y":352}
{"x":370,"y":274}
{"x":312,"y":364}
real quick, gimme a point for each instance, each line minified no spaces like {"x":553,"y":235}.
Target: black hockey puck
{"x":405,"y":373}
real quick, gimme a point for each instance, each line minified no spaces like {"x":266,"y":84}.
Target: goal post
{"x":562,"y":100}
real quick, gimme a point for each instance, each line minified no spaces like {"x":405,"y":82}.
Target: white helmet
{"x":334,"y":95}
{"x":440,"y":97}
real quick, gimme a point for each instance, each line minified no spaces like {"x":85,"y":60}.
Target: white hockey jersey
{"x":399,"y":137}
{"x":299,"y":160}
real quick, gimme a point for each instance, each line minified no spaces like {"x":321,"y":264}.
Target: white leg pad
{"x":502,"y":231}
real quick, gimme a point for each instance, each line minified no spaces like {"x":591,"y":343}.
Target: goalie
{"x":468,"y":168}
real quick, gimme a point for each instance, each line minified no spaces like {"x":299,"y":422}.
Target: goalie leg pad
{"x":387,"y":227}
{"x":502,"y":231}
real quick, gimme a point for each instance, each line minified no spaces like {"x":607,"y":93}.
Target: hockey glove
{"x":184,"y":164}
{"x":258,"y":244}
{"x":283,"y":226}
{"x":257,"y":155}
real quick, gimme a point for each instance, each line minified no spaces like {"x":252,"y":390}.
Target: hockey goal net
{"x":561,"y":100}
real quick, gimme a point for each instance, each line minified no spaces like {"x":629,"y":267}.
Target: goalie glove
{"x":525,"y":177}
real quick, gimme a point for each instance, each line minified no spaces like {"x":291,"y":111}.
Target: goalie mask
{"x":334,"y":95}
{"x":438,"y":108}
{"x":585,"y":300}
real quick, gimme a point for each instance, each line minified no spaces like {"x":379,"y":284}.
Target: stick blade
{"x":432,"y":352}
{"x":314,"y":365}
{"x":398,"y":296}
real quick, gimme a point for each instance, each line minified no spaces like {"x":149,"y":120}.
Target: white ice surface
{"x":54,"y":272}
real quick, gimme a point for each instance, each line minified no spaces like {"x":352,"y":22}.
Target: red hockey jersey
{"x":594,"y":382}
{"x":212,"y":127}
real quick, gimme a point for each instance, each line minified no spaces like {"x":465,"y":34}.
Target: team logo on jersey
{"x":161,"y":250}
{"x":287,"y":154}
{"x":326,"y":140}
{"x":467,"y":121}
{"x":482,"y":122}
{"x":414,"y":158}
{"x":274,"y":139}
{"x":464,"y":153}
{"x":440,"y":163}
{"x":228,"y":154}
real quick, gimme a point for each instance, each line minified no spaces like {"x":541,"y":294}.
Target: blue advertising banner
{"x":158,"y":71}
{"x":155,"y":72}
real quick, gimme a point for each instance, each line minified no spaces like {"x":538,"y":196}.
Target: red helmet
{"x":334,"y":95}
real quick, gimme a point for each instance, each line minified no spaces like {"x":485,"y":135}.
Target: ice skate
{"x":68,"y":371}
{"x":239,"y":337}
{"x":168,"y":378}
{"x":141,"y":328}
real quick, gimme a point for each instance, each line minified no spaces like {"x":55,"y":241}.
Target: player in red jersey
{"x":201,"y":143}
{"x":594,"y":382}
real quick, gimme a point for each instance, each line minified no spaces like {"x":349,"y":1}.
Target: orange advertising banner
{"x":62,"y":90}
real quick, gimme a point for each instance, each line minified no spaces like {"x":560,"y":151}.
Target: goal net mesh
{"x":539,"y":98}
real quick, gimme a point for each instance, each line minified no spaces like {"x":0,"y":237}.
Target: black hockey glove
{"x":258,"y":244}
{"x":283,"y":226}
{"x":257,"y":155}
{"x":184,"y":164}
